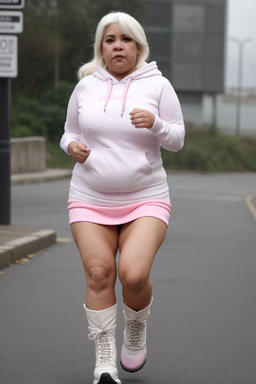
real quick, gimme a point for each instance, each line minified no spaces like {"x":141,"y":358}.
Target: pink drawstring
{"x":110,"y":87}
{"x":127,"y":85}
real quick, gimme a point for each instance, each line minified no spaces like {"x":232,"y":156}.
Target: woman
{"x":119,"y":115}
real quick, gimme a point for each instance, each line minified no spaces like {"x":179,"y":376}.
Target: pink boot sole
{"x":132,"y":364}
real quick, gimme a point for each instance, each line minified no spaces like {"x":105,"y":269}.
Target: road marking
{"x":250,"y":205}
{"x":64,"y":240}
{"x":229,"y":198}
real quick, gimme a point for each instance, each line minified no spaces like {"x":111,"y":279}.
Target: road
{"x":202,"y":325}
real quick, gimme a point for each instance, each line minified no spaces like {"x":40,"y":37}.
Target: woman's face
{"x":119,"y":51}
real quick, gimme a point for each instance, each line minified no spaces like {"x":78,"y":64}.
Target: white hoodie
{"x":125,"y":163}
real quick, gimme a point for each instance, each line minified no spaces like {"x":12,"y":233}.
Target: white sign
{"x":12,"y":4}
{"x":8,"y":56}
{"x":11,"y":22}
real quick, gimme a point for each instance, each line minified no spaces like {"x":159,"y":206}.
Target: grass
{"x":203,"y":151}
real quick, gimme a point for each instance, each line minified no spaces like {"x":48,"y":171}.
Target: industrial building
{"x":187,"y":39}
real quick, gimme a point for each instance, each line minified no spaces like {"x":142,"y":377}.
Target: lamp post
{"x":240,"y":44}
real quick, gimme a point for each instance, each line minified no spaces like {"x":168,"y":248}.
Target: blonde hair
{"x":130,"y":27}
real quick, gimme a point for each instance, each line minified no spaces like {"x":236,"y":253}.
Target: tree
{"x":58,"y":37}
{"x":49,"y":33}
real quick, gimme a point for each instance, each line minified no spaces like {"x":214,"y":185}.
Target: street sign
{"x":11,"y":22}
{"x":8,"y":56}
{"x":12,"y":4}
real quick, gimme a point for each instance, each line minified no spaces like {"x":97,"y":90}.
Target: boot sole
{"x":106,"y":379}
{"x":132,"y":370}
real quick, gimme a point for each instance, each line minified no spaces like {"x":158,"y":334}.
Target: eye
{"x":109,"y":40}
{"x":127,"y":39}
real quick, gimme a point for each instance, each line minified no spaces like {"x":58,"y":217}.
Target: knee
{"x":99,"y":278}
{"x":133,"y":280}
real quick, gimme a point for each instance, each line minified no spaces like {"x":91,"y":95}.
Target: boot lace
{"x":104,"y":344}
{"x":136,"y":329}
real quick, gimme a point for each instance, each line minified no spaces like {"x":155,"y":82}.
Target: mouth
{"x":118,"y":57}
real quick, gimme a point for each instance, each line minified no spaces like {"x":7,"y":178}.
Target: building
{"x":187,"y":39}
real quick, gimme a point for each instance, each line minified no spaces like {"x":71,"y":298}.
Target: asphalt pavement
{"x":19,"y":242}
{"x":202,"y":324}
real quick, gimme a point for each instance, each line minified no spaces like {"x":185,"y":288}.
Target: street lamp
{"x":241,"y":44}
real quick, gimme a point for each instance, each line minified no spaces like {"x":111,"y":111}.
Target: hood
{"x":147,"y":70}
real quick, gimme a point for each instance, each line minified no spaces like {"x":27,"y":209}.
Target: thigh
{"x":96,"y":243}
{"x":139,"y":242}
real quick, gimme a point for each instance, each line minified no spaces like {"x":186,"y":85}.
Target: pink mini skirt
{"x":115,"y":215}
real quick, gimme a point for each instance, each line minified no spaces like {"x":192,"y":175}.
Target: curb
{"x":23,"y":242}
{"x":19,"y":248}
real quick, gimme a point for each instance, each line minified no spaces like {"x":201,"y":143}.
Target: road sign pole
{"x":10,"y":22}
{"x":5,"y":152}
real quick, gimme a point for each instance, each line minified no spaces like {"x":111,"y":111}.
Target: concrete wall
{"x":28,"y":154}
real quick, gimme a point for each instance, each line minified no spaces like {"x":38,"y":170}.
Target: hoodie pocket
{"x":116,"y":170}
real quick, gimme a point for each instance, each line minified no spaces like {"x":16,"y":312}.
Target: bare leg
{"x":97,"y":245}
{"x":139,"y":242}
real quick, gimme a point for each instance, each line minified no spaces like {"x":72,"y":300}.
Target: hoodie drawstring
{"x":110,"y":87}
{"x":127,"y":85}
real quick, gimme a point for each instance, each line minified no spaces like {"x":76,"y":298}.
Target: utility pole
{"x":10,"y":24}
{"x":240,"y":44}
{"x":5,"y":162}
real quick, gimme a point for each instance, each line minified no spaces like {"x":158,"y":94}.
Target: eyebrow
{"x":123,"y":35}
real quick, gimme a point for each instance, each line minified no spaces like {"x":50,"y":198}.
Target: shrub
{"x":204,"y":151}
{"x":42,"y":117}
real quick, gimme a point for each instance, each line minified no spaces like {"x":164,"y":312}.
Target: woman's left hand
{"x":142,"y":118}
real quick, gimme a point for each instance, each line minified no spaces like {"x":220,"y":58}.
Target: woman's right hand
{"x":78,"y":151}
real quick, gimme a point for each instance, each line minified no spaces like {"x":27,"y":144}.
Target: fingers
{"x":141,"y":118}
{"x":78,"y":151}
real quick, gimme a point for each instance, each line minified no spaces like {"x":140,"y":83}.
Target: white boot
{"x":134,"y":349}
{"x":102,"y":325}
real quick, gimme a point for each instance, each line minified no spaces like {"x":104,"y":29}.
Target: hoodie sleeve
{"x":169,"y":125}
{"x":71,"y":129}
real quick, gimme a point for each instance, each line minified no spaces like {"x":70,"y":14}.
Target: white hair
{"x":130,"y":27}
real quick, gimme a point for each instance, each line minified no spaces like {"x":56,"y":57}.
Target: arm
{"x":168,"y":127}
{"x":70,"y":141}
{"x":72,"y":129}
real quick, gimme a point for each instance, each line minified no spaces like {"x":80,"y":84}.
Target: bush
{"x":44,"y":116}
{"x":27,"y":119}
{"x":204,"y":151}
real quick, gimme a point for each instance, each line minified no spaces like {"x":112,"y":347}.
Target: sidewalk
{"x":16,"y":243}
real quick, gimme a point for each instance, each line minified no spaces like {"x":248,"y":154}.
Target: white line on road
{"x":250,"y":205}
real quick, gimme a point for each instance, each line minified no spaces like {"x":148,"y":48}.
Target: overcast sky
{"x":241,"y":25}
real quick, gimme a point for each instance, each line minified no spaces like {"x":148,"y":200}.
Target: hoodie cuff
{"x":157,"y":126}
{"x":64,"y":145}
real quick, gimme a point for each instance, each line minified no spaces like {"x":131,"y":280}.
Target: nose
{"x":118,"y":46}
